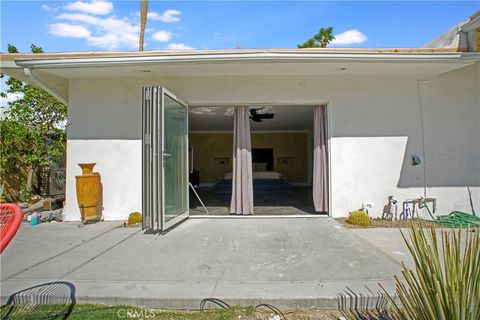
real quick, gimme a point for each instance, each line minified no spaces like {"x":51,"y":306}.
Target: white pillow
{"x":272,"y":175}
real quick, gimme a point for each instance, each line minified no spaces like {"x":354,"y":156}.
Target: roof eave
{"x":257,"y":57}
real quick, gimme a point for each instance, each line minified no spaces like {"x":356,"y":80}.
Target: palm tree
{"x":324,"y":36}
{"x":320,"y":40}
{"x":143,"y":22}
{"x":310,"y":43}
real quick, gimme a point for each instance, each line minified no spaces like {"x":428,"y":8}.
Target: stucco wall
{"x":375,"y":125}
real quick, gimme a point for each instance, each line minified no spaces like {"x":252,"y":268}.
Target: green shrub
{"x":25,"y":193}
{"x":359,"y":218}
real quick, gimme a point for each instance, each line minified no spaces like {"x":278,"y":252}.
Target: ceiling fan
{"x":259,"y":117}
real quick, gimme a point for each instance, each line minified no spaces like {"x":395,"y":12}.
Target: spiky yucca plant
{"x":359,"y":218}
{"x":446,"y":282}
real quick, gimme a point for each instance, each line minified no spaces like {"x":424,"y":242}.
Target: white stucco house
{"x":399,"y":122}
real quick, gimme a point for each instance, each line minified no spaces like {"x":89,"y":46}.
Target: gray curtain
{"x":320,"y":166}
{"x":242,"y":183}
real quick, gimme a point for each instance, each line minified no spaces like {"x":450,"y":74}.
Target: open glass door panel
{"x":165,"y":159}
{"x":175,"y":160}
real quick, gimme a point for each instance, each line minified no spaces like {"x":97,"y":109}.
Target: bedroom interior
{"x":281,"y":153}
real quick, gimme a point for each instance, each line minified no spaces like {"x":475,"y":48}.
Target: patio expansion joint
{"x":98,"y":255}
{"x":217,"y":281}
{"x":58,"y":254}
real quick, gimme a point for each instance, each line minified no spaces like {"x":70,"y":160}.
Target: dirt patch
{"x":309,"y":314}
{"x":379,"y":223}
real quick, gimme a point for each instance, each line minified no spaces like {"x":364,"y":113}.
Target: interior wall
{"x":207,"y":147}
{"x":211,"y":147}
{"x":374,"y":126}
{"x":292,"y":145}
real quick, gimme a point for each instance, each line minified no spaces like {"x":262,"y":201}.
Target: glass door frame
{"x":153,"y":169}
{"x":184,"y":215}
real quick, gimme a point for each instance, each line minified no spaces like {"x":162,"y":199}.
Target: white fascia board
{"x":12,"y":70}
{"x":472,"y":24}
{"x":248,"y":57}
{"x":8,"y":64}
{"x":59,"y":91}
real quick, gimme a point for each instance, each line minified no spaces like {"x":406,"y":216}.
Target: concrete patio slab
{"x":389,"y":241}
{"x":289,"y":262}
{"x":36,"y":244}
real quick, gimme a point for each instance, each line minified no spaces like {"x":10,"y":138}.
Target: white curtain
{"x":320,"y":166}
{"x":242,"y":183}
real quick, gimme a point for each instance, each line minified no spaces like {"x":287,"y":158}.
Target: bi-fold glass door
{"x":164,"y":159}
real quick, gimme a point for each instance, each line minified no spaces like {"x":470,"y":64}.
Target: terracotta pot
{"x":87,"y":168}
{"x":89,"y":193}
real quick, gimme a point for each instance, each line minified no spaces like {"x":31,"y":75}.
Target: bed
{"x":267,"y":181}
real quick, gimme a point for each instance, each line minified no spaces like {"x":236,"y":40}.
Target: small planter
{"x":89,"y":193}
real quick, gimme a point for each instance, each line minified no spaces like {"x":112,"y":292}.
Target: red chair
{"x":10,"y":219}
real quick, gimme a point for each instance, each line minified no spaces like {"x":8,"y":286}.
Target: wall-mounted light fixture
{"x":415,"y":160}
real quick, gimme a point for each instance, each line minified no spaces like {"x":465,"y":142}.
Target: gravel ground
{"x":311,"y":314}
{"x":378,"y":223}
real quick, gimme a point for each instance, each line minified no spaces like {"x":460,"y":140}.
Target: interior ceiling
{"x":221,"y":118}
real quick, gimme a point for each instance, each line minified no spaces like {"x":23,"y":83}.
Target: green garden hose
{"x":455,"y":219}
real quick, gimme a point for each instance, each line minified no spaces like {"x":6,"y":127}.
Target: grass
{"x":100,"y":312}
{"x":103,"y":312}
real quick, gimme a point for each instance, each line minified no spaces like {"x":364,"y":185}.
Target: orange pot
{"x":89,"y":193}
{"x":87,"y":168}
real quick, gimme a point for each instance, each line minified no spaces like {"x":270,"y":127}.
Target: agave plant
{"x":446,"y":281}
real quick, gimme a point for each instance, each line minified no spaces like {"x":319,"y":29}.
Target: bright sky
{"x":85,"y":25}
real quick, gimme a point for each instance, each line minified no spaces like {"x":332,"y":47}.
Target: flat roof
{"x":63,"y":60}
{"x":116,"y":54}
{"x":54,"y":70}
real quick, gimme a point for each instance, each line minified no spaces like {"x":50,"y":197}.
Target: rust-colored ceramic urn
{"x":89,"y":193}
